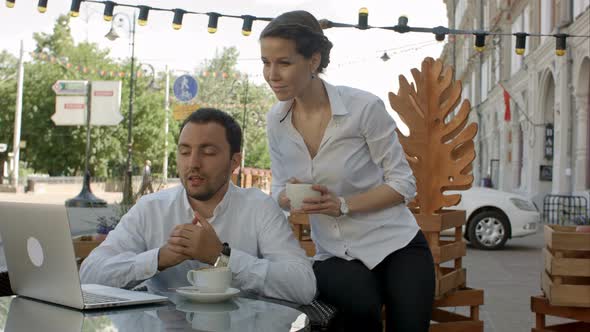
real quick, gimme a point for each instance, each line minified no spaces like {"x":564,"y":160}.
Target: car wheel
{"x":488,"y":230}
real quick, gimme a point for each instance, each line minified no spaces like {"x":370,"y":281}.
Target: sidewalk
{"x":57,"y":197}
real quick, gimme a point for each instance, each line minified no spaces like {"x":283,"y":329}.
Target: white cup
{"x":297,"y":192}
{"x":209,"y":321}
{"x":210,"y":280}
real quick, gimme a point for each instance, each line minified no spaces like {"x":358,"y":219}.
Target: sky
{"x":355,"y":57}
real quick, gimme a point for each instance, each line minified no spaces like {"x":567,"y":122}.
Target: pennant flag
{"x":507,"y":115}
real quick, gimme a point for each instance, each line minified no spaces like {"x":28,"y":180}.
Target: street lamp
{"x":112,"y":35}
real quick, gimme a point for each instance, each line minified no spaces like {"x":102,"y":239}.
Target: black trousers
{"x":404,"y":281}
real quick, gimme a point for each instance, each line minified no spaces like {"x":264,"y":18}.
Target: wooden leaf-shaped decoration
{"x":439,"y":153}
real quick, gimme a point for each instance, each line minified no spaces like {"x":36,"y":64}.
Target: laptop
{"x":41,"y":261}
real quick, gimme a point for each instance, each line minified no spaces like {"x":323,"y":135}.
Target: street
{"x":509,"y":278}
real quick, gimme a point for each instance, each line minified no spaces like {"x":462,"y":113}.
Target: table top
{"x":238,"y":314}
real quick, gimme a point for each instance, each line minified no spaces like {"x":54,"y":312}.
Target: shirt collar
{"x":222,"y":206}
{"x":336,"y":104}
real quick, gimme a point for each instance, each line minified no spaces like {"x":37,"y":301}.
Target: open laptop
{"x":41,"y":261}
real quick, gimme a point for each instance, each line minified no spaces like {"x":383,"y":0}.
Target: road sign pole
{"x":86,"y":198}
{"x":166,"y":125}
{"x":18,"y":117}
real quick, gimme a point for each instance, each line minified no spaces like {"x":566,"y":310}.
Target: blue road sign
{"x":186,"y":88}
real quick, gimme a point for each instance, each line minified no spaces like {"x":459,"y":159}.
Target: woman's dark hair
{"x":233,"y":132}
{"x":305,"y":30}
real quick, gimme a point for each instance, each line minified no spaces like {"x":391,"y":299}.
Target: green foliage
{"x":60,"y":150}
{"x":238,"y":96}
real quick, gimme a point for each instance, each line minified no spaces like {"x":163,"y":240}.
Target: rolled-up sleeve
{"x":122,"y":260}
{"x":283,"y":271}
{"x":378,"y":128}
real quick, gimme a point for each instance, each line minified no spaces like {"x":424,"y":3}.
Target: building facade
{"x":544,"y":145}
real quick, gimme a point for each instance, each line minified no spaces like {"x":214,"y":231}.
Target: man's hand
{"x":168,"y":258}
{"x":197,"y":240}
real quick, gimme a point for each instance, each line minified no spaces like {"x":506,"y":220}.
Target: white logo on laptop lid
{"x":35,"y":251}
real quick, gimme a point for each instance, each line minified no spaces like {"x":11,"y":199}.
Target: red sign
{"x":72,"y":106}
{"x":103,"y":93}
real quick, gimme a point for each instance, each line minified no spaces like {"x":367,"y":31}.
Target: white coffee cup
{"x":210,"y":280}
{"x":297,"y":192}
{"x":209,"y":321}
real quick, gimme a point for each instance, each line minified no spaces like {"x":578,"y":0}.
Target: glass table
{"x":241,"y":313}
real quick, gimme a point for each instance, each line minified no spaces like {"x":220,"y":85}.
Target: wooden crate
{"x":83,"y":245}
{"x":541,"y":307}
{"x":448,"y":279}
{"x":450,"y":321}
{"x":566,"y":278}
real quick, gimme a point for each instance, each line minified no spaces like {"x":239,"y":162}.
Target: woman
{"x":370,"y":250}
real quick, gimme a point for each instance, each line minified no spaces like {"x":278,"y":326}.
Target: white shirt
{"x":359,"y":151}
{"x":265,"y":257}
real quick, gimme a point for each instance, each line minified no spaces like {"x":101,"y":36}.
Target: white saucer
{"x":193,"y":294}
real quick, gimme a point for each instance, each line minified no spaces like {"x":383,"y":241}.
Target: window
{"x":484,"y":80}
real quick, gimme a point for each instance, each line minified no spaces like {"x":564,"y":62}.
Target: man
{"x":186,"y":227}
{"x":146,"y":179}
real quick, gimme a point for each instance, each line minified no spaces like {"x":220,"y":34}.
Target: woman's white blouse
{"x":359,"y":151}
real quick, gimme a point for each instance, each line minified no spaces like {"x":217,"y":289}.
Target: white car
{"x":494,"y":216}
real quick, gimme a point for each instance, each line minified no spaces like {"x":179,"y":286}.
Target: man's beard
{"x":204,"y":196}
{"x":209,"y":192}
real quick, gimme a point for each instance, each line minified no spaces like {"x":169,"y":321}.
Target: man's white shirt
{"x":265,"y":258}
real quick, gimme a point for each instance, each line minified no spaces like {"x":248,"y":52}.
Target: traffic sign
{"x":70,"y":111}
{"x":70,"y":88}
{"x":105,"y":103}
{"x":182,"y":111}
{"x":3,"y":147}
{"x":186,"y":88}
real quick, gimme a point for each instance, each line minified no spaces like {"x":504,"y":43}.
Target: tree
{"x":234,"y":93}
{"x":60,"y":150}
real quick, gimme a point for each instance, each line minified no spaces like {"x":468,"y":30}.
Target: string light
{"x":177,"y":21}
{"x":10,"y":3}
{"x":75,"y":8}
{"x":213,"y":18}
{"x":560,"y":44}
{"x":385,"y":57}
{"x":109,"y":6}
{"x":247,"y":25}
{"x":520,"y":42}
{"x":480,"y":41}
{"x":440,"y":33}
{"x":363,"y":18}
{"x":144,"y":11}
{"x":42,"y":6}
{"x":402,"y":26}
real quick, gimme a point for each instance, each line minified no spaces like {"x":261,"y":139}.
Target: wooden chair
{"x":300,"y":226}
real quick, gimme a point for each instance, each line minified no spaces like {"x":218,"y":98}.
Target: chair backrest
{"x":300,"y":226}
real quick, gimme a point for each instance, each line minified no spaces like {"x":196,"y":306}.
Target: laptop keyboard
{"x":91,"y":298}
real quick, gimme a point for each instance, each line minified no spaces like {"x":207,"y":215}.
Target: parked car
{"x":494,"y":216}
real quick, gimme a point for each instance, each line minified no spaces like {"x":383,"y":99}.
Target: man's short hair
{"x":233,"y":131}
